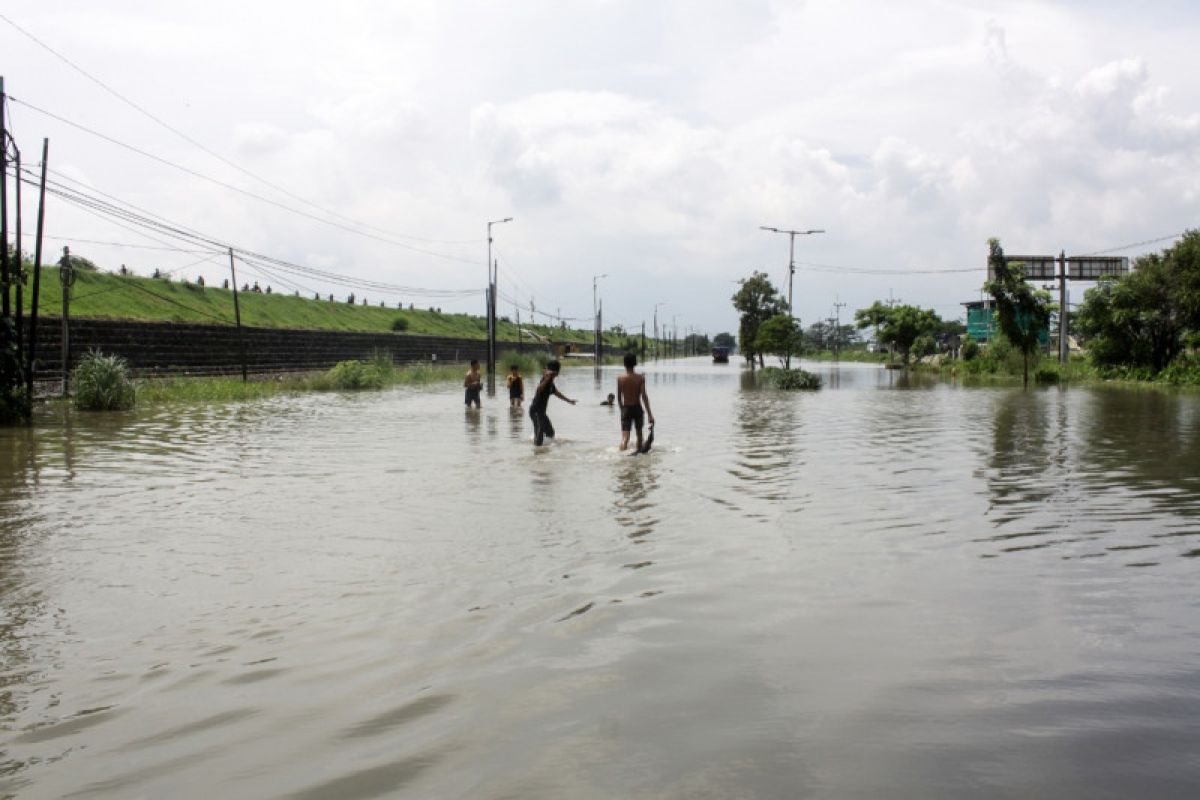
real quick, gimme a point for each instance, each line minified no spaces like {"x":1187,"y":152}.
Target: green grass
{"x":102,"y":383}
{"x":100,"y":295}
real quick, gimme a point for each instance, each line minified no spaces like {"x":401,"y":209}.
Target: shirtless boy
{"x":631,"y":395}
{"x":542,"y":428}
{"x":473,"y":383}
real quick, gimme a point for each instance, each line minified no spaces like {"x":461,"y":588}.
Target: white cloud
{"x":648,"y":141}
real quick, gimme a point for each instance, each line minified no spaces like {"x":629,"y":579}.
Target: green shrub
{"x":924,"y":345}
{"x":400,"y":324}
{"x":790,"y":379}
{"x":354,"y":375}
{"x":102,"y":383}
{"x":970,"y":349}
{"x":1046,"y":375}
{"x":530,"y":364}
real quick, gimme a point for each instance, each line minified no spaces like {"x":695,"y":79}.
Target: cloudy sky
{"x":643,"y":140}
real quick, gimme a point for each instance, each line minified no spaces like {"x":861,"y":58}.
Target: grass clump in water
{"x":102,"y":383}
{"x":530,"y":364}
{"x":790,"y":379}
{"x":356,"y":375}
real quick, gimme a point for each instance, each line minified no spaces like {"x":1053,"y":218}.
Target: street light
{"x":491,"y":308}
{"x":596,"y":321}
{"x":791,"y":258}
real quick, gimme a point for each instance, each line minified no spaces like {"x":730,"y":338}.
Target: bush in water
{"x":102,"y":383}
{"x":355,"y":375}
{"x":790,"y":379}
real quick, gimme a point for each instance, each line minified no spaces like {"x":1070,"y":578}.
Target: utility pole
{"x":66,"y":276}
{"x":492,"y":270}
{"x":4,"y":272}
{"x":643,"y":348}
{"x":237,"y":316}
{"x":791,"y":258}
{"x":837,"y":327}
{"x":37,"y":272}
{"x":1062,"y":307}
{"x":657,"y":341}
{"x":596,"y":324}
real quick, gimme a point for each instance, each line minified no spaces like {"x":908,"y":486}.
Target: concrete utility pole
{"x":492,"y":269}
{"x":37,"y":271}
{"x":237,"y":316}
{"x":1062,"y":307}
{"x":656,"y":339}
{"x":4,"y":272}
{"x":837,"y":329}
{"x":66,"y":277}
{"x":791,"y":258}
{"x":596,"y":324}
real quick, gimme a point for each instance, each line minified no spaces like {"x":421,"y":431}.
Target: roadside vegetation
{"x":1140,"y":328}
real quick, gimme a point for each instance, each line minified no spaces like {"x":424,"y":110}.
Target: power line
{"x":163,"y":227}
{"x":210,"y":152}
{"x":1137,"y":244}
{"x":237,"y":189}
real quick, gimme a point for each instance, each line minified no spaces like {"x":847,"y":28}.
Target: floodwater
{"x":891,"y":588}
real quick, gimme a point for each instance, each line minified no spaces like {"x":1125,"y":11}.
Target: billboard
{"x":1091,"y":268}
{"x":1079,"y":268}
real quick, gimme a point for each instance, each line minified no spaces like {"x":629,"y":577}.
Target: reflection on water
{"x":893,"y":587}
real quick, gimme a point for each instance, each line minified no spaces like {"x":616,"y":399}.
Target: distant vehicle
{"x":720,"y":355}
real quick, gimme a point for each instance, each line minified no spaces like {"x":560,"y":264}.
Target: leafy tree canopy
{"x":780,"y":336}
{"x":757,"y":301}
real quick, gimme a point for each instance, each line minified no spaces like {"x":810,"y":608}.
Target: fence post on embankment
{"x":237,"y":316}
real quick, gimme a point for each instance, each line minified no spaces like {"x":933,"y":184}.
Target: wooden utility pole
{"x":237,"y":316}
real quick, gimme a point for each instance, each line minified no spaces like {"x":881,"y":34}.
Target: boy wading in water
{"x":631,"y":394}
{"x":473,"y":383}
{"x":516,"y":387}
{"x":541,"y":397}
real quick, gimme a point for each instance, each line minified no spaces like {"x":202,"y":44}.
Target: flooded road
{"x":889,"y":588}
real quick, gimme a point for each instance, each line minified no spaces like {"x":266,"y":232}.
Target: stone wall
{"x":192,"y":349}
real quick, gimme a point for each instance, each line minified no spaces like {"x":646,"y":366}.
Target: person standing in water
{"x":473,"y":384}
{"x":516,"y":387}
{"x":541,"y":398}
{"x":631,"y":395}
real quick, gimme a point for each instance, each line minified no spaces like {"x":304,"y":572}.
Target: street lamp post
{"x":596,"y":323}
{"x":491,"y":308}
{"x":791,"y":258}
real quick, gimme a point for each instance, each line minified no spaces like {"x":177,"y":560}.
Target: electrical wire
{"x":162,"y":227}
{"x":238,"y":189}
{"x":210,"y":152}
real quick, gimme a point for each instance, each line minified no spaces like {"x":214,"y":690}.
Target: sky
{"x":642,"y":141}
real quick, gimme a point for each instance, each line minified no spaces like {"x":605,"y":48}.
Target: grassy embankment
{"x":99,"y":295}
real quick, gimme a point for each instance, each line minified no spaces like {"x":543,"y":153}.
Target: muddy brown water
{"x":889,"y":588}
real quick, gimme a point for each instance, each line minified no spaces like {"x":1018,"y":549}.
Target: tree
{"x":757,"y":301}
{"x":872,"y":317}
{"x":1144,"y":319}
{"x":898,"y":326}
{"x":1022,"y":312}
{"x":724,"y":340}
{"x":780,"y":336}
{"x":1133,"y":321}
